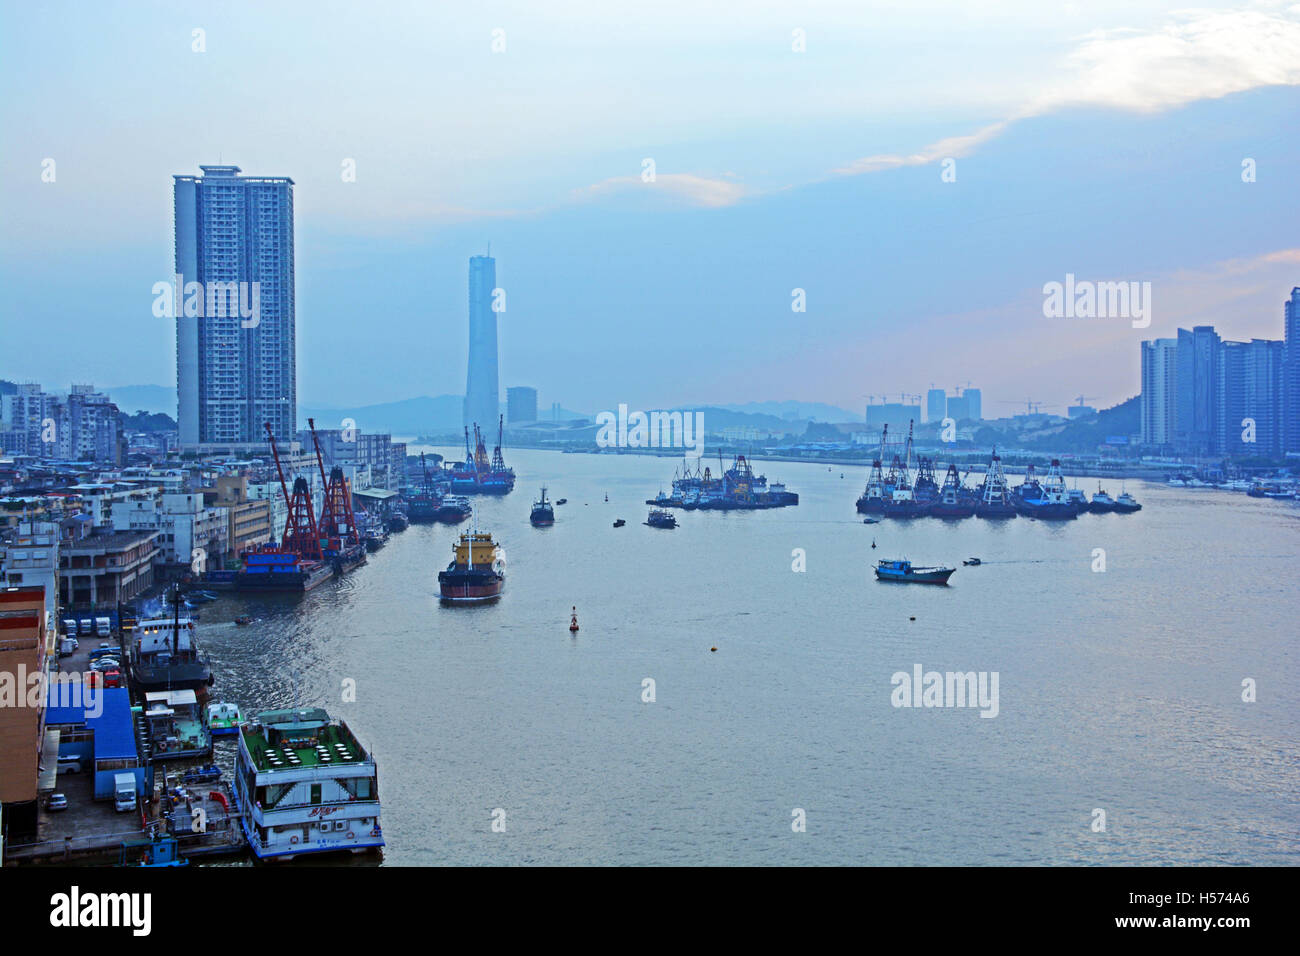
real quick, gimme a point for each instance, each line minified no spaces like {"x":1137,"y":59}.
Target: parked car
{"x":99,"y":652}
{"x":57,"y":801}
{"x":105,"y":664}
{"x":69,"y":765}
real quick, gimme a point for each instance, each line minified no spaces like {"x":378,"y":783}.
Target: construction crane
{"x":1085,"y":398}
{"x":1031,"y":405}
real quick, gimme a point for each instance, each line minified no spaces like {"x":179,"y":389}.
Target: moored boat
{"x":305,"y":784}
{"x":661,"y":519}
{"x":224,"y":719}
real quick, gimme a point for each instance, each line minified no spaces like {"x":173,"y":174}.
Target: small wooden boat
{"x":903,"y":572}
{"x":972,"y":562}
{"x":244,"y":619}
{"x":619,"y":523}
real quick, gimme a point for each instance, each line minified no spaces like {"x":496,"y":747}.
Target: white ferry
{"x":304,"y":784}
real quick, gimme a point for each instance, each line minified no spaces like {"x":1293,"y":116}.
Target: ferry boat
{"x":904,"y":572}
{"x":477,"y":572}
{"x":305,"y":784}
{"x":224,"y":719}
{"x":453,"y":509}
{"x":542,"y":515}
{"x":660,"y":519}
{"x":164,"y":655}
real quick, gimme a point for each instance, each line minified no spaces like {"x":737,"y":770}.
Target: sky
{"x":920,"y":170}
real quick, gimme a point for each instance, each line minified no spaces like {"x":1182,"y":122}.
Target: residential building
{"x":102,"y":568}
{"x":1196,"y":418}
{"x":1159,"y":400}
{"x":234,"y":237}
{"x":1291,"y":374}
{"x":27,"y":636}
{"x":1249,"y":399}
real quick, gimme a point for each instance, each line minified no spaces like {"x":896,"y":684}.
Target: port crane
{"x":300,"y":532}
{"x":337,"y":521}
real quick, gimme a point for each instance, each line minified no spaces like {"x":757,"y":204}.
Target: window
{"x":315,"y":793}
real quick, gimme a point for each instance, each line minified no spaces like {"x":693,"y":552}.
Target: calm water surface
{"x":1118,"y":690}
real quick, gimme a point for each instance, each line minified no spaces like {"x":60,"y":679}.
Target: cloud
{"x":1197,"y":55}
{"x":695,"y":190}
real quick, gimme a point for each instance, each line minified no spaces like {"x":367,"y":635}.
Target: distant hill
{"x":1079,"y":436}
{"x":792,"y":411}
{"x":143,"y":421}
{"x":146,"y":398}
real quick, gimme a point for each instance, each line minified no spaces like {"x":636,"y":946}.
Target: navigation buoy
{"x":573,"y":621}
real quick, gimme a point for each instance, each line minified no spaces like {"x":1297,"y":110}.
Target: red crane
{"x":300,"y":534}
{"x":338,"y":524}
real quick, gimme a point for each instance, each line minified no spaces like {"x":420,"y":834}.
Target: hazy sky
{"x":1100,"y":139}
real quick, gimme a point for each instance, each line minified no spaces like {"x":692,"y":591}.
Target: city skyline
{"x":847,"y":202}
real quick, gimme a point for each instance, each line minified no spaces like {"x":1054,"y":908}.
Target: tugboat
{"x":543,"y":515}
{"x":477,"y":573}
{"x":1126,"y":504}
{"x":1101,"y":502}
{"x":904,"y":572}
{"x":660,"y":519}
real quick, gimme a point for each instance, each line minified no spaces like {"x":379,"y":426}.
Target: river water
{"x":1119,"y":690}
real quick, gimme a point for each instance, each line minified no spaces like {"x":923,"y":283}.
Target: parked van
{"x":123,"y":792}
{"x":67,"y":646}
{"x":69,"y":765}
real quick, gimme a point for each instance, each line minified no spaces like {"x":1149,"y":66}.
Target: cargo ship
{"x":477,"y":572}
{"x":904,"y":572}
{"x":305,"y":784}
{"x":542,"y":515}
{"x":479,"y":475}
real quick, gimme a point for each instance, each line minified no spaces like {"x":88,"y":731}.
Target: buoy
{"x":911,"y":618}
{"x":573,"y":621}
{"x":714,"y":648}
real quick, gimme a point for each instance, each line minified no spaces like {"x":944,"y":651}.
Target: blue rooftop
{"x":113,"y":728}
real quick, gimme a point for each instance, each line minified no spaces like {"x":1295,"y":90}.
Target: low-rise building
{"x":104,"y":567}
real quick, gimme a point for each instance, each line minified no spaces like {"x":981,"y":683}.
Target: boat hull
{"x":470,"y":587}
{"x":288,"y":582}
{"x":926,"y":576}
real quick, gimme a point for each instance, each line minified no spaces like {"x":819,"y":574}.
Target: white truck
{"x":123,"y":791}
{"x":103,"y":627}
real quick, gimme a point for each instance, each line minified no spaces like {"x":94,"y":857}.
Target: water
{"x":1119,"y":690}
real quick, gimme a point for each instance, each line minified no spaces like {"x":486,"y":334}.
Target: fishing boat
{"x":1052,"y":502}
{"x":994,"y":498}
{"x":660,"y":519}
{"x":953,"y":500}
{"x":477,"y":572}
{"x":972,"y":562}
{"x":224,"y":719}
{"x":165,"y":656}
{"x":619,"y":522}
{"x":453,"y":509}
{"x":904,"y":572}
{"x":563,"y":501}
{"x":542,"y":515}
{"x":174,"y":726}
{"x":305,"y":784}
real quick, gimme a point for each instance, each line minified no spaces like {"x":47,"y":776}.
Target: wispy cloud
{"x":683,"y":187}
{"x":1197,"y":55}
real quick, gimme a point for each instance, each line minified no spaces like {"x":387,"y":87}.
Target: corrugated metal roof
{"x":112,"y":726}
